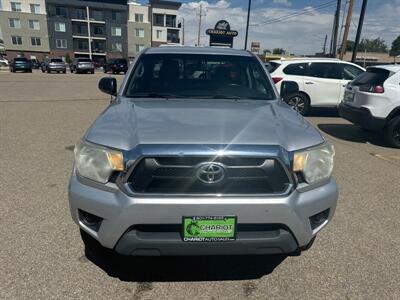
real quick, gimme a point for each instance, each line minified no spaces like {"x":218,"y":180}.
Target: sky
{"x":299,"y":34}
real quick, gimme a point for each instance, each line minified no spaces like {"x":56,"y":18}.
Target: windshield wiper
{"x":154,"y":95}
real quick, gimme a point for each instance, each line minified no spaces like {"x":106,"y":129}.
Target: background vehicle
{"x":321,"y":81}
{"x":82,"y":65}
{"x":372,"y":101}
{"x":54,"y":65}
{"x":198,"y":137}
{"x":20,"y":64}
{"x":116,"y":66}
{"x":35,"y":63}
{"x":3,"y":61}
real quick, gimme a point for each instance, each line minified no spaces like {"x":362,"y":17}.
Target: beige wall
{"x":25,"y":5}
{"x":24,"y":32}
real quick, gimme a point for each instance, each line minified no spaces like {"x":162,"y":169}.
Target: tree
{"x":266,"y":51}
{"x":278,"y":51}
{"x":68,"y":59}
{"x":350,"y":46}
{"x":373,"y":45}
{"x":395,"y":47}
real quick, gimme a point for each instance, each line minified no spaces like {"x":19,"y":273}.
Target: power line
{"x":295,"y":14}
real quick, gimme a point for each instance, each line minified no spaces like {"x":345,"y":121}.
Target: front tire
{"x":300,"y":103}
{"x":392,"y":132}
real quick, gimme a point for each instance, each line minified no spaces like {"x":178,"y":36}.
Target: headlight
{"x":316,"y":163}
{"x":97,"y":163}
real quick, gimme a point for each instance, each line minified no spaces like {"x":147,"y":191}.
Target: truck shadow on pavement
{"x":190,"y":268}
{"x":352,"y":133}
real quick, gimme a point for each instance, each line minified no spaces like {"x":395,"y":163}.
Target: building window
{"x":139,"y":47}
{"x":139,"y":18}
{"x":14,"y":23}
{"x":99,"y":30}
{"x":139,"y":32}
{"x":59,"y":26}
{"x":81,"y":28}
{"x":97,"y":15}
{"x":61,"y":44}
{"x":83,"y":45}
{"x":80,"y":13}
{"x":173,"y":36}
{"x":158,"y":20}
{"x":116,"y":47}
{"x":170,"y":20}
{"x":35,"y":41}
{"x":16,"y":6}
{"x":158,"y":34}
{"x":61,"y":11}
{"x":16,"y":40}
{"x":35,"y":8}
{"x":34,"y":24}
{"x":116,"y":31}
{"x":116,"y":16}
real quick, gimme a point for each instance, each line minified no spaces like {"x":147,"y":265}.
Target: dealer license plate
{"x":209,"y":228}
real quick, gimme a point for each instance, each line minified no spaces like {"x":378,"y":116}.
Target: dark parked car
{"x":35,"y":63}
{"x":116,"y":66}
{"x":54,"y":65}
{"x":82,"y":65}
{"x":20,"y":64}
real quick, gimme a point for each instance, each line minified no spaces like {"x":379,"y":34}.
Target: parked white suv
{"x":372,"y":101}
{"x":322,"y":81}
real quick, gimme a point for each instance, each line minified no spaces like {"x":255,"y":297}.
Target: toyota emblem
{"x":210,"y":173}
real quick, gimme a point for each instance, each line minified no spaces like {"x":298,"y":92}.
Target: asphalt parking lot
{"x":42,"y":116}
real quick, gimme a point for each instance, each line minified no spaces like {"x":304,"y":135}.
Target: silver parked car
{"x":199,"y":155}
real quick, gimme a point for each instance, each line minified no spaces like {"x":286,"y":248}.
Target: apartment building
{"x":24,"y":27}
{"x":95,"y":29}
{"x":153,"y":25}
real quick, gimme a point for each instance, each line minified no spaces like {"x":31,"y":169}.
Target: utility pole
{"x":247,"y":26}
{"x":326,"y":38}
{"x":335,"y":31}
{"x":346,"y":29}
{"x":359,"y":29}
{"x":199,"y":32}
{"x":183,"y":31}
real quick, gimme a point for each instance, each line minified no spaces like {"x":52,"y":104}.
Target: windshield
{"x":84,"y":60}
{"x":199,"y":76}
{"x":20,"y":59}
{"x":56,"y":60}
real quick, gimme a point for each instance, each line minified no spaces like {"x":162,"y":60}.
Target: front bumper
{"x":283,"y":221}
{"x":361,"y":116}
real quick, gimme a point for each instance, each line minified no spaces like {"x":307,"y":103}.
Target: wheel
{"x":299,"y":102}
{"x":48,"y":71}
{"x":392,"y":132}
{"x":42,"y":70}
{"x":92,"y":72}
{"x":105,"y":70}
{"x":30,"y":71}
{"x":65,"y":71}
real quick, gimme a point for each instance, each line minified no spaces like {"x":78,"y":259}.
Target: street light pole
{"x":247,"y":26}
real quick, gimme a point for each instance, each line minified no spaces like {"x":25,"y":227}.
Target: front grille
{"x":193,"y":175}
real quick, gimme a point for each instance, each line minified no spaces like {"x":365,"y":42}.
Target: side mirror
{"x":289,"y":88}
{"x":108,"y":85}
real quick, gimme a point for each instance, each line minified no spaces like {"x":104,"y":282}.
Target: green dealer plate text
{"x":209,"y":229}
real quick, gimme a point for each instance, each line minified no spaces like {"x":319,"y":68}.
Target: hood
{"x":126,"y":124}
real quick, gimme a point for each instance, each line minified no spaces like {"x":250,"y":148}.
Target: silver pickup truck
{"x":197,"y":154}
